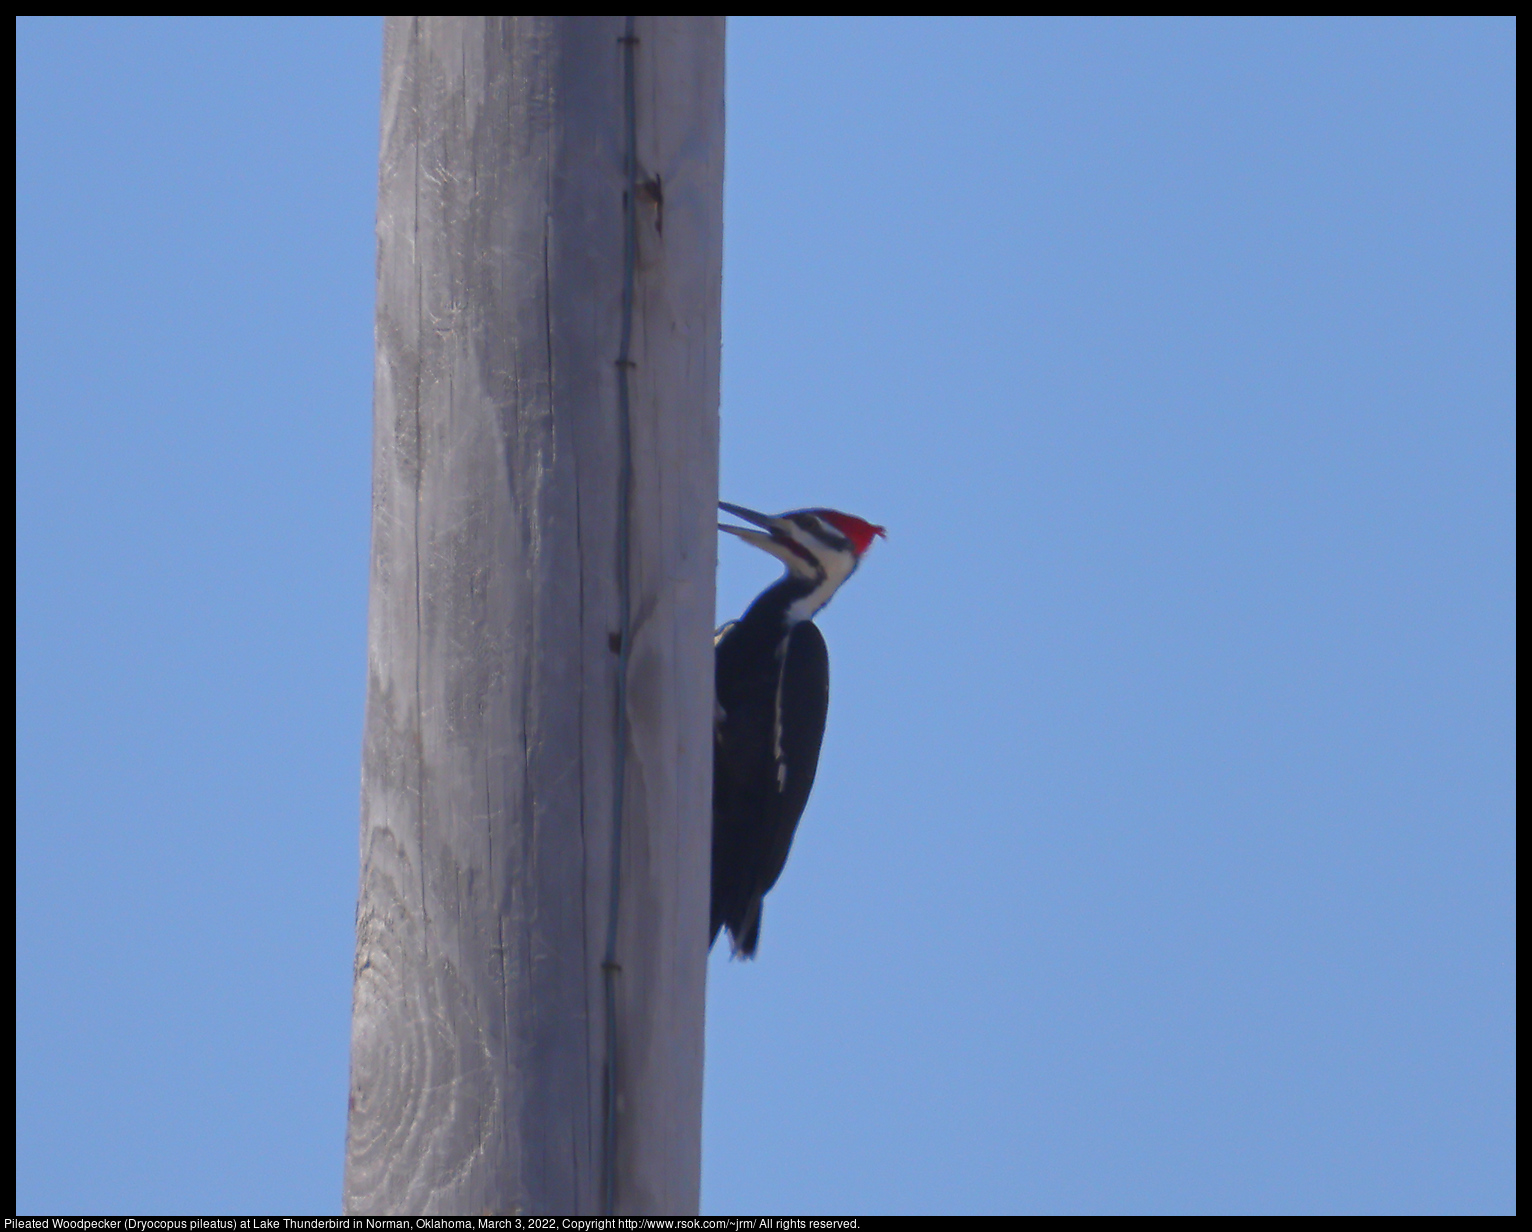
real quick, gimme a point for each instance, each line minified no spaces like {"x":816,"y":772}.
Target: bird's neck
{"x":789,"y":601}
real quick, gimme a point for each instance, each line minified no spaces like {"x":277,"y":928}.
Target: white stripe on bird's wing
{"x":776,"y":724}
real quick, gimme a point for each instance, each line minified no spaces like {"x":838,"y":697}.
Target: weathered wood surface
{"x":478,"y":1036}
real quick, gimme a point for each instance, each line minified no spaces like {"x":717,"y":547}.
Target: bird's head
{"x":821,"y":546}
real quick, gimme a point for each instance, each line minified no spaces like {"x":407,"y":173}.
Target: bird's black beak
{"x":776,"y":541}
{"x":750,"y":515}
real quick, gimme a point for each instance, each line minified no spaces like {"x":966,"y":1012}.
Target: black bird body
{"x":772,"y":676}
{"x":762,"y":667}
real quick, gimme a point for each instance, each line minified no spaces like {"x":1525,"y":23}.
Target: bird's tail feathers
{"x":748,"y":935}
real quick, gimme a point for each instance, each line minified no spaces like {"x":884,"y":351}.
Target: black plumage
{"x":773,"y":687}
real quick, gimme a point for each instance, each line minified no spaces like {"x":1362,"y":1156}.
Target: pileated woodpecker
{"x":772,"y":677}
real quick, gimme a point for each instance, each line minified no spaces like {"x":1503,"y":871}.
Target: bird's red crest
{"x":859,"y":532}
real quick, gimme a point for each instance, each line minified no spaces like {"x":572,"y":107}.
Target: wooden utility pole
{"x":549,"y":201}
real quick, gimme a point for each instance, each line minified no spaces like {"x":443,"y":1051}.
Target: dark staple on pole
{"x":609,"y":966}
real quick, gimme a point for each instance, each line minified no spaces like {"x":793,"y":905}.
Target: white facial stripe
{"x":803,"y":566}
{"x":821,"y":541}
{"x":776,"y":722}
{"x":838,"y":567}
{"x":830,"y":534}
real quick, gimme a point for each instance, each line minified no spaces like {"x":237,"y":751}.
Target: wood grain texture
{"x":478,"y":1033}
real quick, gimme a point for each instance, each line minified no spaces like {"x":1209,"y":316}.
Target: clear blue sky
{"x":1161,"y":858}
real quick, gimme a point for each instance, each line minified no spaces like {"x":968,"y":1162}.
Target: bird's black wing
{"x":803,"y":699}
{"x":739,"y":766}
{"x":769,"y":721}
